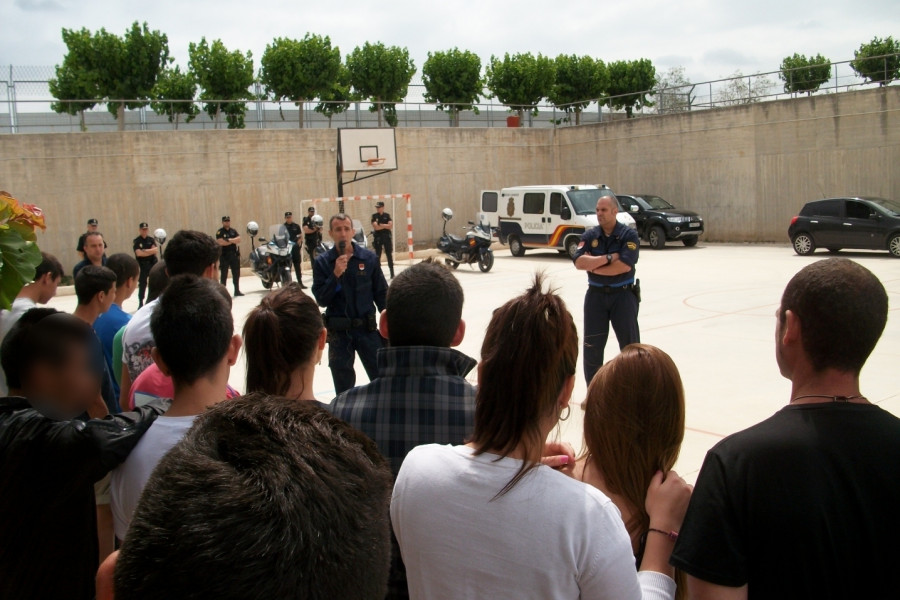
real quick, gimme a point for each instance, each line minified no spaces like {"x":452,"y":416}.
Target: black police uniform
{"x":294,"y":231}
{"x":311,"y":240}
{"x":609,"y":298}
{"x":350,"y":312}
{"x":382,"y":240}
{"x":145,"y":262}
{"x":230,"y":258}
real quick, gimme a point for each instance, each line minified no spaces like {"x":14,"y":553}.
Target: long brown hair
{"x":280,"y":335}
{"x":530,"y":349}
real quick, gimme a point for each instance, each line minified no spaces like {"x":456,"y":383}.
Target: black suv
{"x":838,"y":223}
{"x":658,"y":221}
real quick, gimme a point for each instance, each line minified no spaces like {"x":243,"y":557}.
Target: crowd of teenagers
{"x":130,"y":469}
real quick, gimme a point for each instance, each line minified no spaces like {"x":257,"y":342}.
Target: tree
{"x":630,"y":83}
{"x":453,"y":80}
{"x":579,"y":80}
{"x":878,"y":61}
{"x":801,"y":74}
{"x":381,"y":74}
{"x":223,"y":76}
{"x":75,"y":77}
{"x":743,"y":89}
{"x":521,"y":81}
{"x":674,"y":92}
{"x":300,"y":70}
{"x":174,"y":94}
{"x":336,"y":99}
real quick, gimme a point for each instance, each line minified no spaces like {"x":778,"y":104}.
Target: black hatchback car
{"x":856,"y":223}
{"x":658,"y":221}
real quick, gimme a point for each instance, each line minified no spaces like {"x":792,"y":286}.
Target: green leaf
{"x":878,"y":61}
{"x":18,"y":261}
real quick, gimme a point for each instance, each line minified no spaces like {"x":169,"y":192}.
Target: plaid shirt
{"x":420,"y":397}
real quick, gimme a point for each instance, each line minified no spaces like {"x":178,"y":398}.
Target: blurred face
{"x":48,"y":288}
{"x":226,"y":224}
{"x":93,"y":249}
{"x":289,"y":219}
{"x":380,"y":210}
{"x":342,"y":231}
{"x":65,"y":390}
{"x":606,"y":212}
{"x":145,"y":231}
{"x":92,"y":228}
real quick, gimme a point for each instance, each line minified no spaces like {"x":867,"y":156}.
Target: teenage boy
{"x":196,"y":346}
{"x":127,"y":271}
{"x":95,"y":289}
{"x":49,"y":460}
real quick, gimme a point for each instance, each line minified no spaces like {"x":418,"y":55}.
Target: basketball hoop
{"x":372,"y":162}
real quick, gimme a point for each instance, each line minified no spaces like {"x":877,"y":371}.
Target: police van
{"x":544,"y":216}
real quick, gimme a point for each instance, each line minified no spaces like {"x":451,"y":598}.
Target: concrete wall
{"x":746,"y":169}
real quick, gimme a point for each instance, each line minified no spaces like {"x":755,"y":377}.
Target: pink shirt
{"x":152,"y":384}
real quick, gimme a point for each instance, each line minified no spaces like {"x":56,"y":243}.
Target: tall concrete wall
{"x":746,"y":169}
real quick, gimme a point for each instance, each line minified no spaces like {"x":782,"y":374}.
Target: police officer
{"x":349,"y":283}
{"x":93,"y":226}
{"x":146,"y":251}
{"x":312,"y":234}
{"x":230,"y":242}
{"x":382,"y":224}
{"x":293,"y":231}
{"x":608,"y":253}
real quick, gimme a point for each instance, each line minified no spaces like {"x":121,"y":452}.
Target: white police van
{"x":544,"y":216}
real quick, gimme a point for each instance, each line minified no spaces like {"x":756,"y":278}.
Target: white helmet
{"x":252,"y":227}
{"x":160,"y":235}
{"x":318,"y":221}
{"x":447,"y":214}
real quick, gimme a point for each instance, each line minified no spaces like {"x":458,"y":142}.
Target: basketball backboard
{"x":366,"y":150}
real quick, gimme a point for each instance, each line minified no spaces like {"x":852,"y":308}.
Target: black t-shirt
{"x":144,"y":243}
{"x":802,"y":505}
{"x":311,"y":239}
{"x":228,"y":234}
{"x":382,"y":219}
{"x":293,"y":231}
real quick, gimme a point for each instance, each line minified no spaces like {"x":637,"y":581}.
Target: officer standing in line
{"x":608,"y":253}
{"x":349,"y":283}
{"x":312,"y":234}
{"x":146,"y":251}
{"x":293,"y":232}
{"x":93,"y":226}
{"x":230,"y":241}
{"x":382,"y":224}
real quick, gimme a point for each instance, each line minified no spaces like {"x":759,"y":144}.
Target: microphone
{"x":342,"y":247}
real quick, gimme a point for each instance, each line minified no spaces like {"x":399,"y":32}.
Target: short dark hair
{"x":49,"y":265}
{"x":842,"y":308}
{"x":88,"y":235}
{"x":280,"y":335}
{"x":192,"y":327}
{"x":157,"y":280}
{"x":41,"y":335}
{"x":294,"y":505}
{"x":339,"y":217}
{"x":124,"y":266}
{"x":190,"y":252}
{"x":424,"y":306}
{"x":92,"y":280}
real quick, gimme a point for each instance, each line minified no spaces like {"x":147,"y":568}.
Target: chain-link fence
{"x":26,"y":106}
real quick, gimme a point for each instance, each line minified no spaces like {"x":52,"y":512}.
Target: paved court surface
{"x":711,"y":307}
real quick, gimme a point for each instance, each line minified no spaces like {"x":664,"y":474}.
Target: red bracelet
{"x":672,"y":535}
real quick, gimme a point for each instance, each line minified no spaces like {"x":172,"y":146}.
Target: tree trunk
{"x":300,"y":106}
{"x":120,"y":115}
{"x":380,"y":111}
{"x":578,"y":116}
{"x":329,"y":121}
{"x":218,"y":114}
{"x":629,"y":112}
{"x":454,"y":117}
{"x":521,"y":113}
{"x":177,"y":118}
{"x":81,"y":120}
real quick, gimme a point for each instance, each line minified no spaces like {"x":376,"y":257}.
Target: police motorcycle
{"x":474,"y":247}
{"x":271,"y":261}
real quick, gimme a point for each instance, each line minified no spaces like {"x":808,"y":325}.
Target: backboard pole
{"x":340,"y":177}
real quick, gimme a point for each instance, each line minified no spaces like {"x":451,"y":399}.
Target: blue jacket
{"x":623,"y":240}
{"x":358,"y":292}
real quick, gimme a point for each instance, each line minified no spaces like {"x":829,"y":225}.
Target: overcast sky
{"x":709,"y":38}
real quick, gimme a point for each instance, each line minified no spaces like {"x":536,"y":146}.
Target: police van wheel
{"x":515,"y":246}
{"x":657,"y":238}
{"x":571,"y":247}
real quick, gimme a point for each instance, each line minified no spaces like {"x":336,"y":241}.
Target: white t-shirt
{"x":8,"y":318}
{"x":137,"y":341}
{"x":550,"y":537}
{"x":129,"y":478}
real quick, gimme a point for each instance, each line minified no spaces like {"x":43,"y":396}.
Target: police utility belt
{"x":634,"y":288}
{"x":338,"y":324}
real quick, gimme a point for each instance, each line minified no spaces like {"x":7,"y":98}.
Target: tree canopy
{"x":743,"y":89}
{"x":630,"y":82}
{"x":223,"y":75}
{"x":381,"y":74}
{"x":674,"y":91}
{"x":521,"y":81}
{"x":579,"y":79}
{"x":453,"y":80}
{"x":872,"y":60}
{"x":300,"y":70}
{"x":75,"y":76}
{"x":173,"y":96}
{"x":336,"y":99}
{"x":802,"y":74}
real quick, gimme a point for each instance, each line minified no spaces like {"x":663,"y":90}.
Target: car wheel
{"x":834,"y":250}
{"x":657,"y":238}
{"x":515,"y":246}
{"x":894,"y":245}
{"x":803,"y":244}
{"x":486,"y":261}
{"x":572,"y":247}
{"x":690,"y":242}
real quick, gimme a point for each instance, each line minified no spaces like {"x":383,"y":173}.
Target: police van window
{"x":534,"y":204}
{"x":556,"y":203}
{"x":489,"y":202}
{"x":857,"y":210}
{"x":826,"y":208}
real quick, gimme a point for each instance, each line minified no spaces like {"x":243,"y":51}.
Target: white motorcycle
{"x":271,"y":260}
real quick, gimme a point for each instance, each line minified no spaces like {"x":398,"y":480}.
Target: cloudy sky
{"x":709,"y":38}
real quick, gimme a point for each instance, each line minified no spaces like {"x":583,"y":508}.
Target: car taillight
{"x":794,"y":220}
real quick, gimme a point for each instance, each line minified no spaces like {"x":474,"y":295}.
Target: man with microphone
{"x":349,"y":283}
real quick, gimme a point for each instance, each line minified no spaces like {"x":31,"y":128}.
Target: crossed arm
{"x":598,"y":265}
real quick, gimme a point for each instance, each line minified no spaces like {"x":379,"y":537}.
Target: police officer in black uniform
{"x":312,"y":234}
{"x":146,"y":251}
{"x":349,"y":283}
{"x":293,"y":232}
{"x":382,"y":224}
{"x":608,"y":253}
{"x":230,"y":242}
